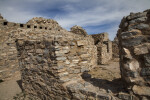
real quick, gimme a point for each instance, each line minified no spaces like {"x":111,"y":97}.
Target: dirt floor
{"x":106,"y":77}
{"x":108,"y":72}
{"x":10,"y":87}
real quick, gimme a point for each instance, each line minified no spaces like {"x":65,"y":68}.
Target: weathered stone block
{"x":61,"y":58}
{"x":140,"y":49}
{"x":85,"y":56}
{"x":83,"y":69}
{"x":136,"y":15}
{"x":139,"y":26}
{"x":147,"y":59}
{"x":132,"y":74}
{"x":141,"y":90}
{"x":67,"y":62}
{"x":72,"y":44}
{"x":145,"y":71}
{"x":132,"y":65}
{"x":39,"y":51}
{"x":133,"y":41}
{"x":103,"y":97}
{"x":75,"y":71}
{"x":78,"y":30}
{"x":125,"y":35}
{"x":81,"y":42}
{"x":75,"y":61}
{"x":125,"y":96}
{"x":63,"y":74}
{"x":138,"y":20}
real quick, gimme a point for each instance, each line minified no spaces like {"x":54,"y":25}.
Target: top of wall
{"x":34,"y":23}
{"x":100,"y":37}
{"x":78,"y":30}
{"x":42,"y":21}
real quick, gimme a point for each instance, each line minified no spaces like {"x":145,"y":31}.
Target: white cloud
{"x":77,"y":12}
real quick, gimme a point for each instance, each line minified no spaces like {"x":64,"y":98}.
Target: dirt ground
{"x":106,"y":77}
{"x":10,"y":87}
{"x":108,"y":72}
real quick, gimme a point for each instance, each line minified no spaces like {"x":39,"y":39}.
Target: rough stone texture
{"x":52,"y":63}
{"x":141,"y":90}
{"x":134,"y":45}
{"x":8,"y":35}
{"x":104,"y":47}
{"x":78,"y":30}
{"x":8,"y":53}
{"x":115,"y":48}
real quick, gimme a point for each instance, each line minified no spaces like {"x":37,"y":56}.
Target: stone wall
{"x":8,"y":53}
{"x":104,"y":47}
{"x":134,"y":45}
{"x":115,"y":48}
{"x":52,"y":63}
{"x":78,"y":30}
{"x":9,"y":33}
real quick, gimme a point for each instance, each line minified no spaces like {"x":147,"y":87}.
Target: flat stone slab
{"x":141,"y":90}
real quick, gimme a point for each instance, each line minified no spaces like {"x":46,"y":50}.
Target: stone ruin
{"x":102,"y":42}
{"x":53,"y":61}
{"x":134,"y":46}
{"x":115,"y":48}
{"x":78,"y":30}
{"x":104,"y":47}
{"x":52,"y":64}
{"x":8,"y":53}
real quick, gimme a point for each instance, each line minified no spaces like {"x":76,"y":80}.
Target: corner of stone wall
{"x":54,"y":62}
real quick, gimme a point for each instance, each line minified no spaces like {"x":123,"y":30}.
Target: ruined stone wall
{"x":78,"y":30}
{"x":134,"y":45}
{"x":8,"y":53}
{"x":104,"y":48}
{"x":115,"y":48}
{"x":53,"y":62}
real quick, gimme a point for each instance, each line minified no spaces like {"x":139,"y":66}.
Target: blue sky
{"x":95,"y":16}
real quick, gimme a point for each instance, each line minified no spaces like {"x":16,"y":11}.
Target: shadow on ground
{"x":114,"y":86}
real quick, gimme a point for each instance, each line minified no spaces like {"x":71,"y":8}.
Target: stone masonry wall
{"x":115,"y":48}
{"x":52,"y":63}
{"x":8,"y":53}
{"x":134,"y":45}
{"x":104,"y":48}
{"x":78,"y":30}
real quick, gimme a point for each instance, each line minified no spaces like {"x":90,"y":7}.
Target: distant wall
{"x":115,"y":48}
{"x":104,"y":47}
{"x":78,"y":30}
{"x":134,"y":45}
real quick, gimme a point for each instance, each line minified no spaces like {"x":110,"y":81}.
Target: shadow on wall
{"x":1,"y":81}
{"x":20,"y":84}
{"x":114,"y":86}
